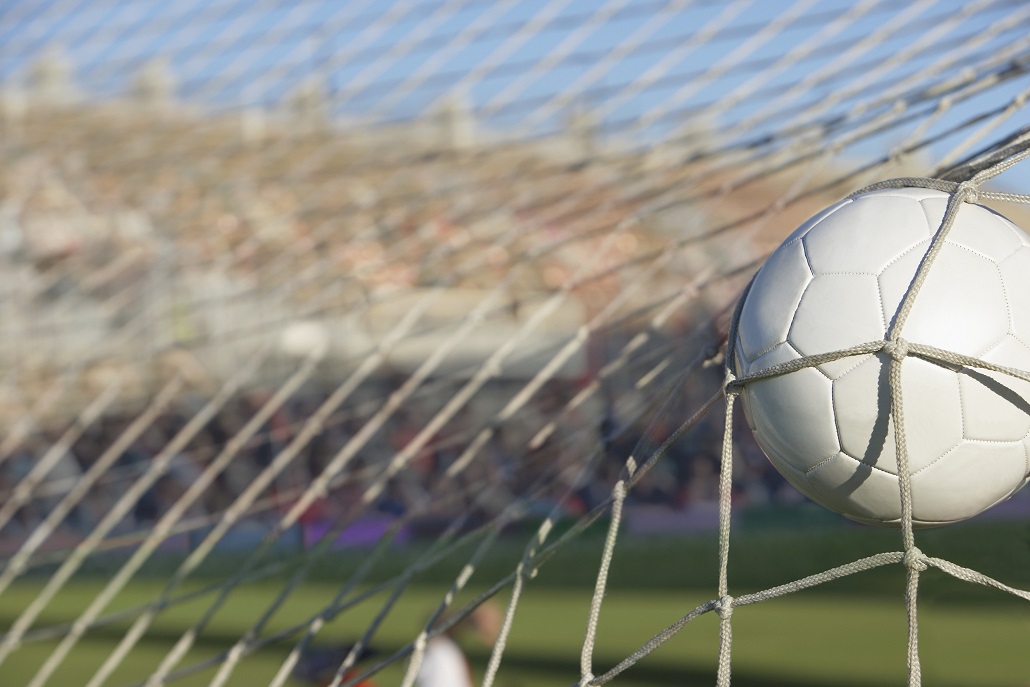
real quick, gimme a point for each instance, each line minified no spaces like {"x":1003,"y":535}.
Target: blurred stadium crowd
{"x":130,"y":236}
{"x":539,"y":478}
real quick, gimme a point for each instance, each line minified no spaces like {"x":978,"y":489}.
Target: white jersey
{"x":444,"y":665}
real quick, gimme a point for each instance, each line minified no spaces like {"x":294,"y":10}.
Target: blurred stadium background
{"x":306,"y":305}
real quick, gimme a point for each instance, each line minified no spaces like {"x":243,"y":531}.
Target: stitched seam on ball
{"x":1015,"y":231}
{"x":982,"y":354}
{"x":938,"y":458}
{"x":902,"y":254}
{"x":991,"y":441}
{"x":831,"y":213}
{"x":1007,"y":223}
{"x":786,"y":340}
{"x":1020,"y":339}
{"x":860,"y":359}
{"x":990,"y":349}
{"x":929,"y":223}
{"x":929,"y":196}
{"x":820,"y":370}
{"x":961,"y":407}
{"x":849,"y":455}
{"x":804,"y":251}
{"x":833,"y":410}
{"x":1008,"y":309}
{"x":973,"y":251}
{"x":883,"y":314}
{"x":1001,"y":260}
{"x":988,"y":442}
{"x":801,"y":473}
{"x":761,"y":353}
{"x":750,"y":363}
{"x":879,"y":286}
{"x":1020,"y":233}
{"x":1014,"y":253}
{"x":821,"y":463}
{"x":844,"y":273}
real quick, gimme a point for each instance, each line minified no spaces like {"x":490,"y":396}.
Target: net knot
{"x":915,"y":559}
{"x":897,"y":349}
{"x":724,"y":607}
{"x":968,"y":192}
{"x":729,"y":384}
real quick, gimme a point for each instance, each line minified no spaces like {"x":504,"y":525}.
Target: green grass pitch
{"x":852,"y":633}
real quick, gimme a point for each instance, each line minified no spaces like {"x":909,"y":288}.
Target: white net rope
{"x":898,"y":348}
{"x":268,"y":164}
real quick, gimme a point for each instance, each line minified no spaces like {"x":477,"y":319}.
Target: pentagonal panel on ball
{"x":932,"y":411}
{"x":780,"y":353}
{"x":1015,"y":275}
{"x":814,"y":221}
{"x":772,"y":299}
{"x":836,"y":312}
{"x":976,"y":228}
{"x":793,"y":418}
{"x":866,"y":235}
{"x":961,"y":306}
{"x":896,"y":279}
{"x":914,"y":193}
{"x":861,"y":407}
{"x":996,"y":406}
{"x":993,"y":409}
{"x":856,"y":489}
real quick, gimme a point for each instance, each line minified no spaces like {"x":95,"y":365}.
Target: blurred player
{"x":444,"y":663}
{"x":318,"y":665}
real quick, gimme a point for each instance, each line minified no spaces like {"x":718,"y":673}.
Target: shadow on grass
{"x":516,"y":665}
{"x":564,"y":672}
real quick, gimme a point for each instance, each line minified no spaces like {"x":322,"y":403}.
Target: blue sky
{"x":525,"y":64}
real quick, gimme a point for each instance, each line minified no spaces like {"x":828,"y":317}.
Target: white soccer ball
{"x":838,"y":281}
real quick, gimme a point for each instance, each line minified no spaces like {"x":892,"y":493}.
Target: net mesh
{"x":914,"y":560}
{"x":272,"y":269}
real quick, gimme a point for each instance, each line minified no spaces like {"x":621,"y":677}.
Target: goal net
{"x":375,"y":298}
